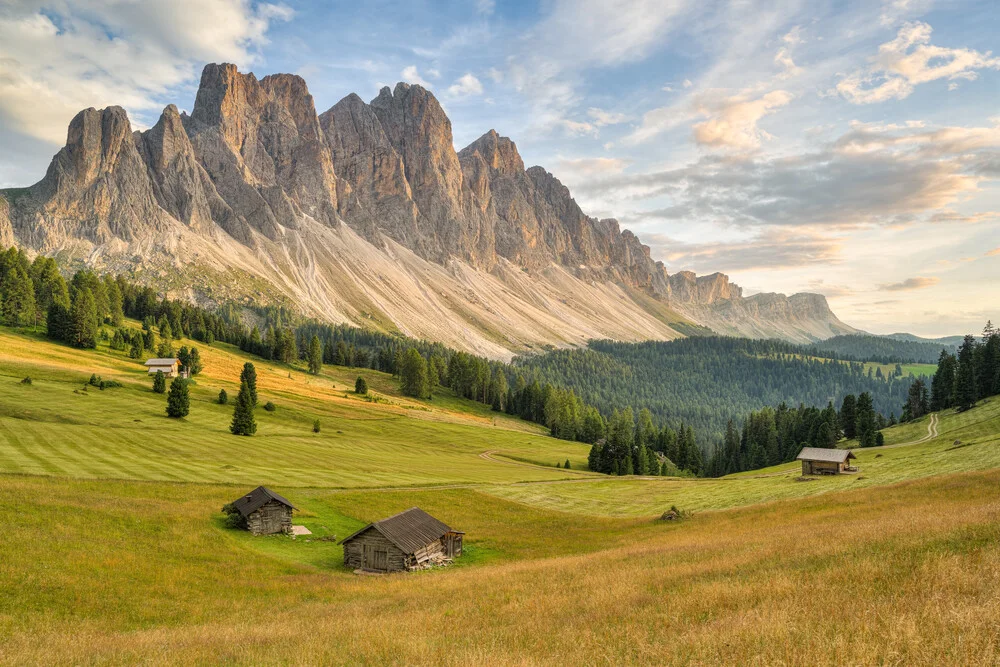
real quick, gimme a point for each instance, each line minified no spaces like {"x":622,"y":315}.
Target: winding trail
{"x":932,"y":432}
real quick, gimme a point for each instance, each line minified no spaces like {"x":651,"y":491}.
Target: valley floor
{"x":114,"y":548}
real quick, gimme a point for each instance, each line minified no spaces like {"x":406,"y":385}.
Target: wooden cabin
{"x":819,"y":461}
{"x":265,"y":512}
{"x":406,"y":541}
{"x":169,"y":367}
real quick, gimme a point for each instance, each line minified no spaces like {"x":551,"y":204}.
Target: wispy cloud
{"x":466,"y":85}
{"x":72,"y":56}
{"x":909,"y":60}
{"x":410,"y":74}
{"x":910,"y":284}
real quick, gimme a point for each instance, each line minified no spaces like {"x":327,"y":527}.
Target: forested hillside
{"x":705,"y":381}
{"x":883,"y":349}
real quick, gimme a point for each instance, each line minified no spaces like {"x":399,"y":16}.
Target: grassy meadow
{"x":115,"y":550}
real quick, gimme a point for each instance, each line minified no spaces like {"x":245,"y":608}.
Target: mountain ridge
{"x":365,"y":213}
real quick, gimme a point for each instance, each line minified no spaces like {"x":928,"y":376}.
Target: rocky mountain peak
{"x":499,"y":153}
{"x":255,"y":161}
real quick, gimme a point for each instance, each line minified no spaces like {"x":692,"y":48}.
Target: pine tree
{"x":178,"y":399}
{"x":965,"y":375}
{"x":223,"y":397}
{"x":566,"y":465}
{"x":943,"y":383}
{"x":360,"y":386}
{"x":848,"y":416}
{"x":18,"y":300}
{"x":316,"y":426}
{"x":243,"y":420}
{"x":315,"y":356}
{"x":413,"y":374}
{"x":249,"y":376}
{"x":159,"y":382}
{"x":594,"y":458}
{"x":866,"y":427}
{"x":83,"y":320}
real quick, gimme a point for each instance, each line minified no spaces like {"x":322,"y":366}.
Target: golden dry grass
{"x":908,"y":574}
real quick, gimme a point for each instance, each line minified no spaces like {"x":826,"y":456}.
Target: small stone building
{"x":819,"y":461}
{"x":265,"y":512}
{"x":169,"y":367}
{"x":406,"y":541}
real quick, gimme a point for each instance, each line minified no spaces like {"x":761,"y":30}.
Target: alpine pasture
{"x":115,"y":550}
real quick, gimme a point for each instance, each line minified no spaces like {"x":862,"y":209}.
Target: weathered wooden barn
{"x":406,"y":541}
{"x":819,"y":461}
{"x":265,"y":512}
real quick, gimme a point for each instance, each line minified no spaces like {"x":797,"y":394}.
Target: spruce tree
{"x":159,"y":382}
{"x":223,"y":397}
{"x":866,"y":427}
{"x":965,"y":375}
{"x":943,"y":383}
{"x":83,"y":320}
{"x":360,"y":386}
{"x":848,"y":416}
{"x":249,"y":376}
{"x":315,"y":355}
{"x":243,"y":420}
{"x":18,"y":302}
{"x":413,"y":374}
{"x":566,"y":465}
{"x":178,"y":399}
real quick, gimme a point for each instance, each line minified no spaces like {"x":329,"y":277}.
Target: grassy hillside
{"x":56,"y":426}
{"x":115,"y":551}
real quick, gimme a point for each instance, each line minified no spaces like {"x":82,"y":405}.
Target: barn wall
{"x":354,"y":550}
{"x":271,"y":518}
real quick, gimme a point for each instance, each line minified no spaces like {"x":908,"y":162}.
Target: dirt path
{"x":488,"y":456}
{"x":932,"y":432}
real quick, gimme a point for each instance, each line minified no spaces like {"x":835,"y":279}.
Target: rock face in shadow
{"x":258,"y":181}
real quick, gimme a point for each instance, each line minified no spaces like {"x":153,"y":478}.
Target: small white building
{"x":169,"y":367}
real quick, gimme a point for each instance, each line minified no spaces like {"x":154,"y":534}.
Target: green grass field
{"x":115,"y":550}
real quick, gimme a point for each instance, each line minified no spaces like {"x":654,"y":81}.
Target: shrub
{"x":26,"y":380}
{"x":360,"y":386}
{"x":233,"y":517}
{"x":223,"y":397}
{"x":95,"y":380}
{"x":270,"y":407}
{"x":566,"y":465}
{"x":108,"y":384}
{"x":316,"y":426}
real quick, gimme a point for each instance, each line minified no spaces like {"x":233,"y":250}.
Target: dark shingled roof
{"x":820,"y":454}
{"x":256,"y":499}
{"x":410,"y":530}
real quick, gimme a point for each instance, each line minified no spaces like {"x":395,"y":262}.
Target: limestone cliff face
{"x":253,"y":188}
{"x":6,"y":229}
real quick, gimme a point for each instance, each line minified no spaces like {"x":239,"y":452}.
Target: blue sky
{"x":849,"y":148}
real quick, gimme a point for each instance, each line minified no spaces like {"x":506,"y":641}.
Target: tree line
{"x":705,"y":381}
{"x":961,"y":379}
{"x":883,"y":349}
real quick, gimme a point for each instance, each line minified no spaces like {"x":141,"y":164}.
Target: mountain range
{"x":367,"y":214}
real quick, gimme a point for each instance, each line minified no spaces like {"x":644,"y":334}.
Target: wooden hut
{"x":406,"y":541}
{"x":169,"y":367}
{"x":265,"y":512}
{"x":819,"y":461}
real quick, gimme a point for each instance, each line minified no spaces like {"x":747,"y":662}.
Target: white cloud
{"x":576,"y":169}
{"x":733,"y":121}
{"x":486,"y":7}
{"x":465,"y":85}
{"x":412,"y":75}
{"x":687,"y":83}
{"x":909,"y":60}
{"x":909,"y":284}
{"x":577,"y":128}
{"x":96,"y":53}
{"x":602,"y":118}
